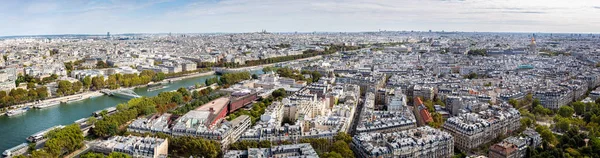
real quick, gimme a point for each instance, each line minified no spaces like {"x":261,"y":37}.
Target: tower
{"x":107,"y":35}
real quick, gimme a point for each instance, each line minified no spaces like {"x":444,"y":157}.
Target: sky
{"x":47,"y":17}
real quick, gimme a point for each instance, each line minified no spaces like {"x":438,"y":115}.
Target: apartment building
{"x":142,"y":147}
{"x":470,"y":130}
{"x":417,"y":142}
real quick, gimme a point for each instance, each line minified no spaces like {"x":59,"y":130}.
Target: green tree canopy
{"x":566,"y":111}
{"x":118,"y":155}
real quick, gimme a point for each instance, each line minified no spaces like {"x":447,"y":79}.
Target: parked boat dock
{"x":41,"y":134}
{"x":15,"y":151}
{"x":16,"y":112}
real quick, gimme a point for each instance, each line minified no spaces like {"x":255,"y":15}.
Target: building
{"x":504,"y":150}
{"x":454,"y":104}
{"x":240,"y":99}
{"x":7,"y":79}
{"x":417,"y":142}
{"x":421,"y":113}
{"x":153,"y":124}
{"x":384,"y":121}
{"x":144,"y":147}
{"x":457,"y":48}
{"x":470,"y":130}
{"x":534,"y":138}
{"x":205,"y":122}
{"x":306,"y":116}
{"x":533,"y":46}
{"x":554,"y":98}
{"x":381,"y":96}
{"x":188,"y":66}
{"x":516,"y":147}
{"x":397,"y":103}
{"x":80,"y":74}
{"x":303,"y":150}
{"x":424,"y":92}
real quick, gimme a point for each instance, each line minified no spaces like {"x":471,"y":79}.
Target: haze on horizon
{"x":41,"y":17}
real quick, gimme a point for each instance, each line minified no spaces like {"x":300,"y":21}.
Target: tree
{"x":77,"y":86}
{"x":254,"y":76}
{"x":546,"y":134}
{"x":429,"y":105}
{"x":149,"y":73}
{"x":344,"y":137}
{"x":343,"y":148}
{"x":118,"y":155}
{"x":183,"y":91}
{"x":92,"y":155}
{"x":279,"y":93}
{"x":65,"y":140}
{"x":514,"y":103}
{"x":579,"y":107}
{"x":192,"y":146}
{"x":42,"y":92}
{"x":459,"y":155}
{"x":265,"y":144}
{"x":536,"y":102}
{"x":471,"y":75}
{"x":87,"y":82}
{"x":30,"y":85}
{"x":315,"y":76}
{"x":159,"y":77}
{"x":64,"y":88}
{"x":563,"y":124}
{"x":112,"y":82}
{"x":482,"y":52}
{"x":566,"y":111}
{"x":177,"y":98}
{"x":98,"y":82}
{"x":539,"y":109}
{"x":526,"y":122}
{"x":101,"y":64}
{"x":41,"y":153}
{"x":268,"y":69}
{"x":91,"y":120}
{"x":332,"y":154}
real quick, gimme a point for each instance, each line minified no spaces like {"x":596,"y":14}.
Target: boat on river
{"x":41,"y":134}
{"x":17,"y":111}
{"x":46,"y":105}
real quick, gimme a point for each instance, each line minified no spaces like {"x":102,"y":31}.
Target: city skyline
{"x":232,"y":16}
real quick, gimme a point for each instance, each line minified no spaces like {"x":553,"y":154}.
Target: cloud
{"x":43,"y":7}
{"x":159,"y":16}
{"x":524,"y":12}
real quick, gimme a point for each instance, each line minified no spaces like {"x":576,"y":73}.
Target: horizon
{"x":43,"y":17}
{"x":293,"y":32}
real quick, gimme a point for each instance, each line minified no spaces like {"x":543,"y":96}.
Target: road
{"x":356,"y":118}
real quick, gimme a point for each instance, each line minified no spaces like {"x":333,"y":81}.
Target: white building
{"x":471,"y":130}
{"x":417,"y":142}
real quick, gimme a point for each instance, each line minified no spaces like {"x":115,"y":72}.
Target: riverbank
{"x":90,"y":94}
{"x":63,"y":99}
{"x":266,"y":65}
{"x":16,"y":129}
{"x":188,"y":76}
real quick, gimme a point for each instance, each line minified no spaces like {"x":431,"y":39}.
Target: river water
{"x":14,"y":130}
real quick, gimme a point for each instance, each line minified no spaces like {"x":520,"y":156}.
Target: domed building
{"x":533,"y":46}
